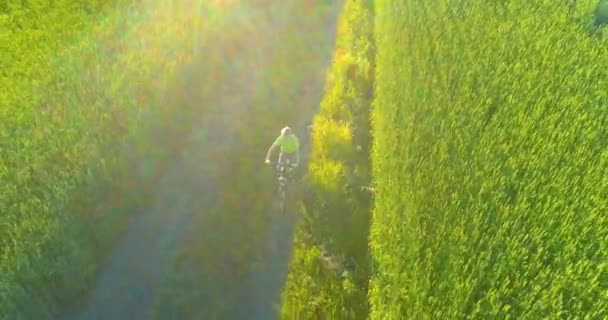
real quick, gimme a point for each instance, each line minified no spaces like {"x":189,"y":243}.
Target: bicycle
{"x":284,"y":171}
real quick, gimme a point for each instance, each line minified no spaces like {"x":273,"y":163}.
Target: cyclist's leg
{"x":281,"y":160}
{"x":291,"y":159}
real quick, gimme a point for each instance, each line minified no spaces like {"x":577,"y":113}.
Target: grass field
{"x":459,"y":163}
{"x":490,"y":161}
{"x":91,"y":112}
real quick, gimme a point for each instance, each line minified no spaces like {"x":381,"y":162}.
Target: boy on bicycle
{"x":290,"y":148}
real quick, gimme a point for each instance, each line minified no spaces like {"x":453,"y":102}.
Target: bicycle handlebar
{"x":272,"y":162}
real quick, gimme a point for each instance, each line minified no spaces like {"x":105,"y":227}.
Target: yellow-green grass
{"x":490,"y":161}
{"x":329,"y":268}
{"x":89,"y":85}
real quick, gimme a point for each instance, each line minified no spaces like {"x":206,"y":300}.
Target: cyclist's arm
{"x":271,"y":150}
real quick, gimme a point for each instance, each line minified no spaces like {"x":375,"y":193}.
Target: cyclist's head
{"x":286,"y":131}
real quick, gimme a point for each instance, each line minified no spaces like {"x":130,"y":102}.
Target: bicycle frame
{"x":284,"y":170}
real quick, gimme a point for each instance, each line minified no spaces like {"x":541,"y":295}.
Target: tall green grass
{"x":90,"y":113}
{"x":329,"y":268}
{"x":490,"y":161}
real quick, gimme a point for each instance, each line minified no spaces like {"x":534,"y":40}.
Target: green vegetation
{"x":488,"y":164}
{"x":90,"y":85}
{"x":329,"y":269}
{"x":601,"y":14}
{"x":489,"y":157}
{"x":104,"y":96}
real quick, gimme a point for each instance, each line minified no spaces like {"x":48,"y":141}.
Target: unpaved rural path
{"x":261,"y":297}
{"x":129,"y":284}
{"x":131,"y":281}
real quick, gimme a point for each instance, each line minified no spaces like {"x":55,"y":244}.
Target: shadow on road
{"x":261,"y":299}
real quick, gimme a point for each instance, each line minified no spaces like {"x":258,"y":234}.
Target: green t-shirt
{"x":288,"y":145}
